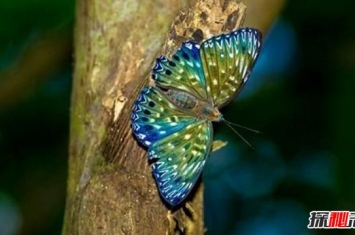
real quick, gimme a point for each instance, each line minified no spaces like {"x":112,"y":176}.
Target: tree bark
{"x":110,"y":187}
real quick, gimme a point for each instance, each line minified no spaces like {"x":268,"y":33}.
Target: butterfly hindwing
{"x":227,"y":62}
{"x":180,"y":159}
{"x":154,"y":117}
{"x":184,"y":71}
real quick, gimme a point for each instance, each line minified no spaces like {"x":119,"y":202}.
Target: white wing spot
{"x":141,"y":136}
{"x":147,"y":142}
{"x":189,"y":45}
{"x":170,"y":145}
{"x":187,"y":136}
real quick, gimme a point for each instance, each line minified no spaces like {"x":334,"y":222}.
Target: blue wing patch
{"x":155,"y":117}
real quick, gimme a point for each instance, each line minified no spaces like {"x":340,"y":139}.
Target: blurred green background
{"x":300,"y":95}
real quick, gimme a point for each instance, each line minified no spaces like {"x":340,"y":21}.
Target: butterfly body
{"x":202,"y":109}
{"x":173,"y":118}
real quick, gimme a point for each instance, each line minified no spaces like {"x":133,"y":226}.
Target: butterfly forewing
{"x":227,"y":62}
{"x":180,"y":160}
{"x":155,"y":117}
{"x":184,"y":71}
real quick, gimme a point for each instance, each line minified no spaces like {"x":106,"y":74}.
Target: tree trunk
{"x":110,"y":187}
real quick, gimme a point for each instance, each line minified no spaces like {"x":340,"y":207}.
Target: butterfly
{"x":173,"y":118}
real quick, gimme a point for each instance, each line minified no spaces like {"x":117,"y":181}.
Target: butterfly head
{"x":212,"y":114}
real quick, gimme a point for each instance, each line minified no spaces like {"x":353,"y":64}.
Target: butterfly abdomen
{"x":182,"y":99}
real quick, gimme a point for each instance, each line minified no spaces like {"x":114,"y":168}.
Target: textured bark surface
{"x":110,"y":187}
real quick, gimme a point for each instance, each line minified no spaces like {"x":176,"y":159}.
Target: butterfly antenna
{"x":240,"y":136}
{"x":243,"y":127}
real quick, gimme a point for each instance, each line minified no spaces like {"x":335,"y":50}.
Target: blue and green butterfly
{"x":173,"y":118}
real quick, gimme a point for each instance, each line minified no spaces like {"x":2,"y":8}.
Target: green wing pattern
{"x":180,"y":158}
{"x":227,"y":61}
{"x":183,"y":72}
